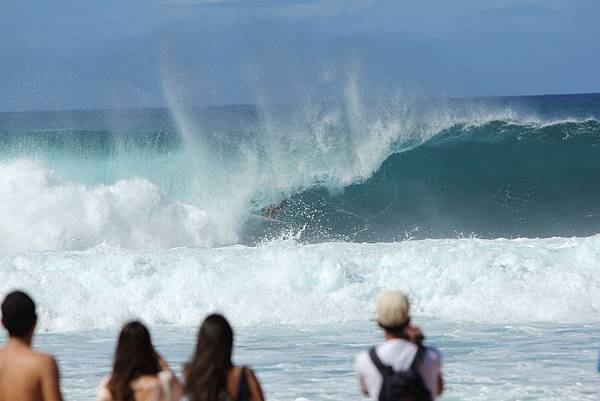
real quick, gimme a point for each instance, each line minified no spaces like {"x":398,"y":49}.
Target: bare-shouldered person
{"x":25,"y":375}
{"x":211,"y":375}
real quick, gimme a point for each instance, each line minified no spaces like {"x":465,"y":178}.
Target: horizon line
{"x":219,"y":105}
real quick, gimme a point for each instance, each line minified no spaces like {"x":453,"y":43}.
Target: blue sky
{"x":68,"y":54}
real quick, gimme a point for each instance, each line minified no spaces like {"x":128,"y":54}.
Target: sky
{"x":71,"y":54}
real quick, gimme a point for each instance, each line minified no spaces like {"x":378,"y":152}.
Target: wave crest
{"x":494,"y":179}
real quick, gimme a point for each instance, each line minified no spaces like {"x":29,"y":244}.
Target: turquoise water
{"x":485,"y":211}
{"x":508,"y":167}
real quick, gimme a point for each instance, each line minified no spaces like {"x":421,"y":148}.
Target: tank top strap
{"x":243,"y":386}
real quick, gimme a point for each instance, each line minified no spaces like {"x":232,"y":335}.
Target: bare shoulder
{"x":253,"y":383}
{"x":30,"y":358}
{"x":45,"y":358}
{"x":250,"y":374}
{"x":45,"y":363}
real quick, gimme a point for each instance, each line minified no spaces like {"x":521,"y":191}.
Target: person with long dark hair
{"x":211,"y":375}
{"x":139,"y":373}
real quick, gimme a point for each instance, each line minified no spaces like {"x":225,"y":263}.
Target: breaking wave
{"x":301,"y":215}
{"x":284,"y":282}
{"x":491,"y":178}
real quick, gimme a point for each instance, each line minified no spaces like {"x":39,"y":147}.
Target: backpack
{"x":406,"y":385}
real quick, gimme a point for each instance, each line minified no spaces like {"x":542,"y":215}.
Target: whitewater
{"x":283,"y":282}
{"x":485,"y":211}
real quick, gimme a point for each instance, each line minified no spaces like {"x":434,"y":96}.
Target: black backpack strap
{"x":416,"y":363}
{"x":243,"y":387}
{"x":384,"y":370}
{"x":376,"y":361}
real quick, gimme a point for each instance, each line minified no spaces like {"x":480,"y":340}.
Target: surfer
{"x":274,"y":211}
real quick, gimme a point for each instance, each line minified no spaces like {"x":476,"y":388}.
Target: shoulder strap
{"x":243,"y":387}
{"x":376,"y":361}
{"x":416,"y":363}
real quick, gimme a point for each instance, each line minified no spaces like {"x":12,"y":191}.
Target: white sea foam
{"x":41,"y":211}
{"x":523,"y":280}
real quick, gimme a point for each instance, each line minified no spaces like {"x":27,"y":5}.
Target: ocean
{"x":291,"y":219}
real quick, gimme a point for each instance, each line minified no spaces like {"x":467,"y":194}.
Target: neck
{"x":19,"y":341}
{"x":391,"y":336}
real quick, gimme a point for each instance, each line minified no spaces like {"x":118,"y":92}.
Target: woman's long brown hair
{"x":206,"y":374}
{"x":135,"y":356}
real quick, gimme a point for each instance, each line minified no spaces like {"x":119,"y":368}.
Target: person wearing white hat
{"x":401,"y":367}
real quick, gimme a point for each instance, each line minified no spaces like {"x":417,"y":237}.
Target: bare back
{"x":233,"y":384}
{"x":26,"y":375}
